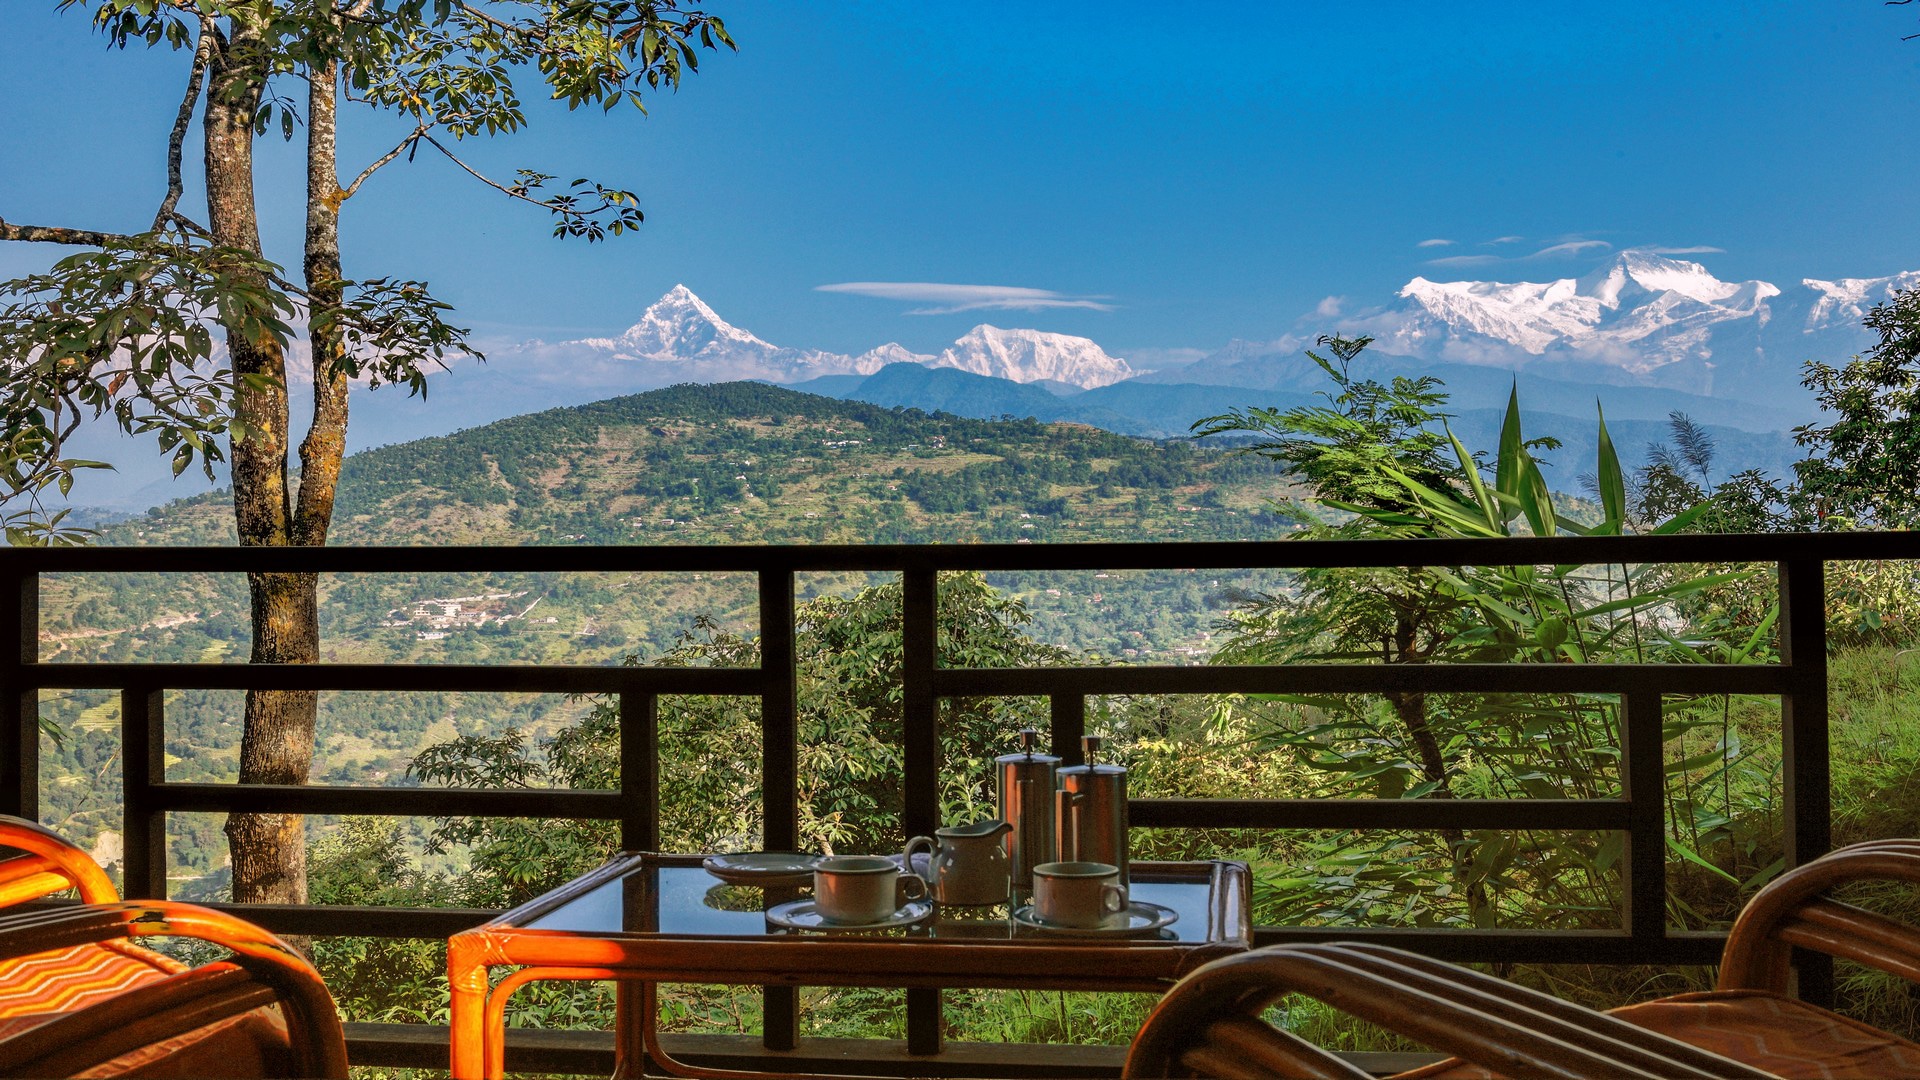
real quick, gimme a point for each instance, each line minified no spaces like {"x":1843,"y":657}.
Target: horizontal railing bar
{"x":948,"y":682}
{"x":1603,"y":814}
{"x":1367,"y":678}
{"x":745,"y":558}
{"x":1516,"y":946}
{"x":354,"y":920}
{"x":385,"y":802}
{"x":541,"y":1050}
{"x":543,"y":679}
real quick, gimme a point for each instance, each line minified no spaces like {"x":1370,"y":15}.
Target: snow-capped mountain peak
{"x":1846,"y":300}
{"x":1639,"y":311}
{"x":1033,"y":356}
{"x":891,"y":353}
{"x":680,"y":326}
{"x":682,"y":339}
{"x":1642,"y":272}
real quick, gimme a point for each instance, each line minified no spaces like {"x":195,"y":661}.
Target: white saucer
{"x":762,"y":868}
{"x":1139,"y":918}
{"x":803,"y":915}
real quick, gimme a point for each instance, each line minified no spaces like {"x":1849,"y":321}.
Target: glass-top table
{"x":642,"y":919}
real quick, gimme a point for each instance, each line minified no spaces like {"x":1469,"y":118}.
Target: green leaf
{"x":1694,"y":857}
{"x":1513,"y":450}
{"x":1613,"y":482}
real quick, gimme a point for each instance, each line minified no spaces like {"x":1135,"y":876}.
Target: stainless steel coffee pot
{"x":1090,"y":810}
{"x":1026,"y":803}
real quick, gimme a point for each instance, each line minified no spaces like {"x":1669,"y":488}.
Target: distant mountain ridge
{"x":1642,"y":335}
{"x":1168,"y":410}
{"x":680,"y":332}
{"x":1639,"y":319}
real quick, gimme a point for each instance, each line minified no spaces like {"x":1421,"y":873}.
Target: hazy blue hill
{"x":1171,"y":408}
{"x":1470,"y":386}
{"x":962,"y":393}
{"x":1734,"y":450}
{"x":1636,"y":416}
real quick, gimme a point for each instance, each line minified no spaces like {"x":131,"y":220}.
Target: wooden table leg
{"x":633,"y":1017}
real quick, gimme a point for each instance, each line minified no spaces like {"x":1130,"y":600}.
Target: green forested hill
{"x":730,"y":463}
{"x":747,"y":463}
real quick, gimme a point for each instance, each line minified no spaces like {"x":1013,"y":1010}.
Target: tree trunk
{"x":326,"y":441}
{"x":276,"y":745}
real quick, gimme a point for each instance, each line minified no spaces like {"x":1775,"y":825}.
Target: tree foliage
{"x":1383,"y":463}
{"x":1864,"y":463}
{"x":184,"y":329}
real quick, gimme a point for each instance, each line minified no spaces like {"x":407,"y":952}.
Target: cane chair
{"x":80,"y":997}
{"x":1210,"y":1023}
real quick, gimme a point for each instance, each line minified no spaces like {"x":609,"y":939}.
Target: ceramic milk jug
{"x":966,"y":864}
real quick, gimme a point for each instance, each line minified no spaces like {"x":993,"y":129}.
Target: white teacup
{"x":862,"y":888}
{"x":1082,"y":895}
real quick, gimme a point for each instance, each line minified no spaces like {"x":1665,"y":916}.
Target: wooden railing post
{"x":639,"y":771}
{"x":19,"y":698}
{"x":1805,"y":746}
{"x":143,"y":765}
{"x":1069,"y":721}
{"x":920,"y":714}
{"x":1643,"y":783}
{"x":779,"y":767}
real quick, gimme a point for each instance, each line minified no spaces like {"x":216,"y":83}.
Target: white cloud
{"x":1502,"y":240}
{"x":1468,"y":260}
{"x":1329,"y":307}
{"x":1436,"y":242}
{"x":948,"y":299}
{"x":1564,"y":250}
{"x":1569,"y":248}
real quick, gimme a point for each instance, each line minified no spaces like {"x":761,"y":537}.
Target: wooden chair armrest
{"x":1792,"y":911}
{"x":1509,"y":1029}
{"x":313,"y":1024}
{"x":47,"y":854}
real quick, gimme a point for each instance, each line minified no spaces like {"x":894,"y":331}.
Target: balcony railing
{"x":1799,"y":680}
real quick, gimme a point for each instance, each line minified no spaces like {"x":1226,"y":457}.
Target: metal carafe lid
{"x":1029,"y":738}
{"x":1089,"y":752}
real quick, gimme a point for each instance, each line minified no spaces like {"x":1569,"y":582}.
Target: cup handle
{"x":1113,"y":899}
{"x":915,"y":887}
{"x":906,"y":856}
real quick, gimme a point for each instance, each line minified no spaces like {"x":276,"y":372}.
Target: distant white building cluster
{"x":434,"y":618}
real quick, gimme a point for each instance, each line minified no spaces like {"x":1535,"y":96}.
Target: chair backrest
{"x":1794,"y":910}
{"x":1210,"y":1023}
{"x":47,"y":864}
{"x":135,"y":1007}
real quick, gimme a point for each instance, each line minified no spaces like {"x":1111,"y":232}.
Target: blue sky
{"x":1197,"y":174}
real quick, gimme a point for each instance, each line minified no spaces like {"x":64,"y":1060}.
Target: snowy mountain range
{"x":1643,"y":333}
{"x":1638,"y":319}
{"x":682,"y":333}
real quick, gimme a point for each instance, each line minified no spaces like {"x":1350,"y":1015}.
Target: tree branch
{"x":379,"y":163}
{"x":50,"y":234}
{"x":511,"y":29}
{"x":202,"y":52}
{"x":494,"y":184}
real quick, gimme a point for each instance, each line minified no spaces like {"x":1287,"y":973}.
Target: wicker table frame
{"x":638,"y":959}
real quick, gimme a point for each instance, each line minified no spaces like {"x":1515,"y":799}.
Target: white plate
{"x":762,"y":868}
{"x":803,"y":915}
{"x":1139,"y":918}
